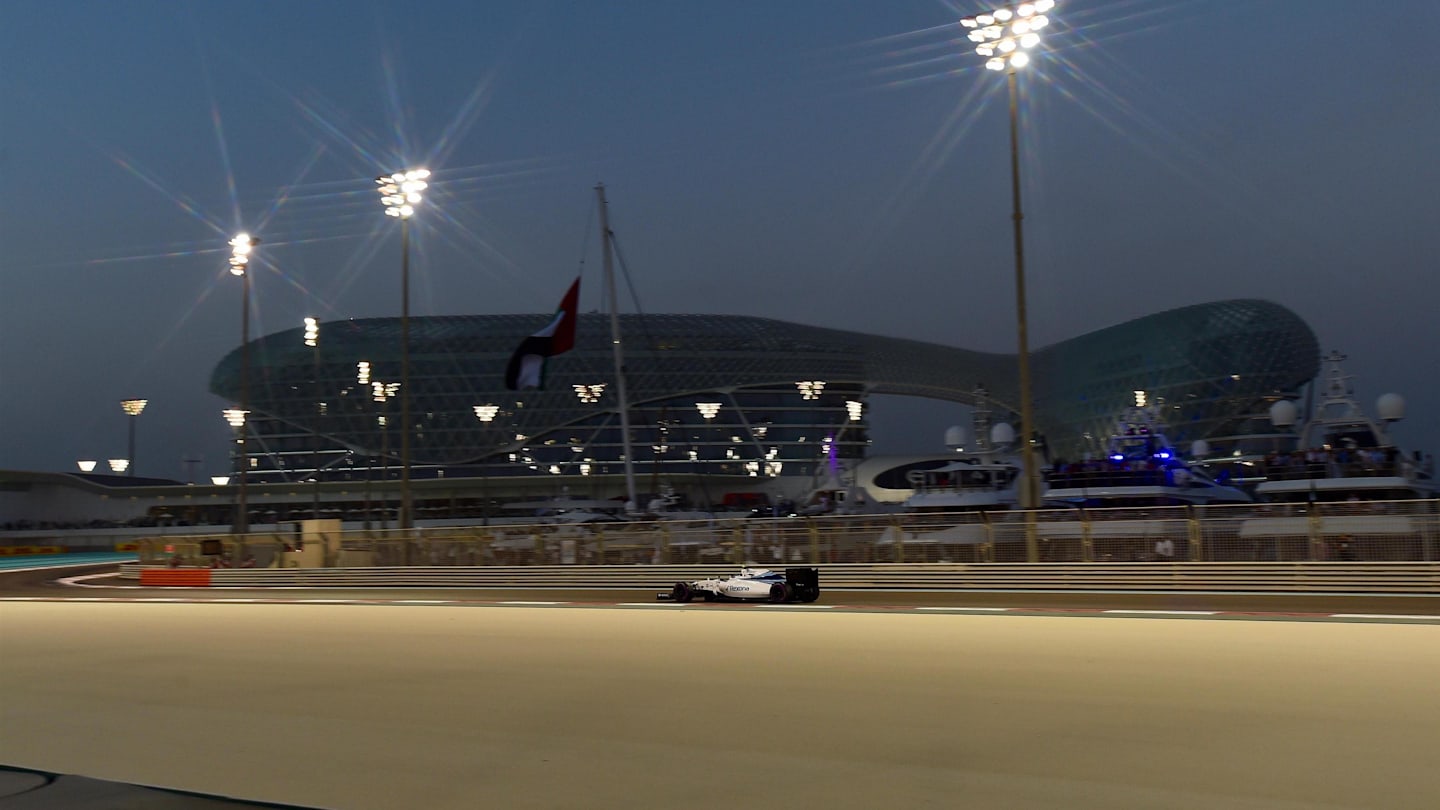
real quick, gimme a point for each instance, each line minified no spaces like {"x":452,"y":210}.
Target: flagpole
{"x":633,"y":503}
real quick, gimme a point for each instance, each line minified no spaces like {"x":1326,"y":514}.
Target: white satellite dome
{"x":1284,"y":413}
{"x":1391,"y":407}
{"x":1199,"y":448}
{"x":1002,"y":434}
{"x":955,"y":437}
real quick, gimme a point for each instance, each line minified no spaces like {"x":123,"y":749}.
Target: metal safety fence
{"x":1316,"y":532}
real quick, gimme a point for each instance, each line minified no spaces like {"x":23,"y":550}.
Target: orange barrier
{"x":127,"y":546}
{"x":18,"y":551}
{"x":185,"y":577}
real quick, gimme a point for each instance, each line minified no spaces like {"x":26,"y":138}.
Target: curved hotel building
{"x":732,"y":396}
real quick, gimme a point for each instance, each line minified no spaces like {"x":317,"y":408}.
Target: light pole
{"x":133,"y":408}
{"x":240,"y":248}
{"x":1005,"y":36}
{"x":362,"y":377}
{"x":235,"y":418}
{"x":400,"y":193}
{"x":486,"y":414}
{"x":312,"y":339}
{"x":383,"y":392}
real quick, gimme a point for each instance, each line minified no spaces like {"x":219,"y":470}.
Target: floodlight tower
{"x":400,"y":193}
{"x":133,"y":408}
{"x":1005,"y":36}
{"x":312,"y":339}
{"x":240,"y":248}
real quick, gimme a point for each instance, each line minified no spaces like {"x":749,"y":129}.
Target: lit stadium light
{"x":1009,"y":32}
{"x":87,"y":465}
{"x":312,"y":332}
{"x":589,"y":393}
{"x":235,"y":417}
{"x":133,"y":408}
{"x":119,"y":465}
{"x":1140,"y":399}
{"x":219,"y":480}
{"x":400,"y":192}
{"x":855,"y":408}
{"x":708,"y":409}
{"x":486,"y":413}
{"x":362,"y":372}
{"x":810,"y":389}
{"x":240,"y":248}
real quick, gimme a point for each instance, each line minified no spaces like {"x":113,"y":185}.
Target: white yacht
{"x":1346,"y":492}
{"x":1141,"y":468}
{"x":980,"y":478}
{"x":1342,"y":453}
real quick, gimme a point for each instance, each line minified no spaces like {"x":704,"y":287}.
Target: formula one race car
{"x":752,"y":584}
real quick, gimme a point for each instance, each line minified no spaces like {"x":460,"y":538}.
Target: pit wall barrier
{"x":1399,"y":578}
{"x":1388,"y":531}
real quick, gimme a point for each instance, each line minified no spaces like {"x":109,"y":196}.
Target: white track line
{"x":531,"y":603}
{"x":985,"y":609}
{"x":1166,"y":612}
{"x":1382,"y":616}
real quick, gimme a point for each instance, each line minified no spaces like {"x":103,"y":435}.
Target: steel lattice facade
{"x":1217,"y":366}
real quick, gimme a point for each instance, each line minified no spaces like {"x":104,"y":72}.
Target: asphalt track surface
{"x":443,"y":707}
{"x":440,"y":706}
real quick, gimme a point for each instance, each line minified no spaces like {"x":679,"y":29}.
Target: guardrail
{"x":1294,"y":577}
{"x":1390,"y":531}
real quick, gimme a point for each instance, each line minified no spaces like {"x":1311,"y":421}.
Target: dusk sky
{"x":841,"y":164}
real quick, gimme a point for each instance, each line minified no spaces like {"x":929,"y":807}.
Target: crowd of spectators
{"x":143,"y":521}
{"x":1132,"y":471}
{"x":1328,"y":462}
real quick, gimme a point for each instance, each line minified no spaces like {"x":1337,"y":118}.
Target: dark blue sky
{"x":842,"y":164}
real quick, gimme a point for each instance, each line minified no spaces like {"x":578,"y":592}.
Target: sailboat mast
{"x":609,"y":264}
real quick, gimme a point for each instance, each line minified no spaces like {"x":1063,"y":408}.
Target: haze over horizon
{"x":841,"y":165}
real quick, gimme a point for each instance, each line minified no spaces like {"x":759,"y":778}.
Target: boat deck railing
{"x":1276,"y":471}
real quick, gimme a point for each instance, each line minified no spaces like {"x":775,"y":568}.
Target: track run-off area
{"x":434,"y":703}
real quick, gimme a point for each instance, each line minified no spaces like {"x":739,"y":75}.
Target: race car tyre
{"x":779,"y":592}
{"x":682,"y":592}
{"x":808,"y":595}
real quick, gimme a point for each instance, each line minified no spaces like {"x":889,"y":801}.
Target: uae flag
{"x":527,"y":365}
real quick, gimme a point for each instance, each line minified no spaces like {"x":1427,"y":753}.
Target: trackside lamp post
{"x":240,"y":248}
{"x":1006,"y":36}
{"x":400,"y":193}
